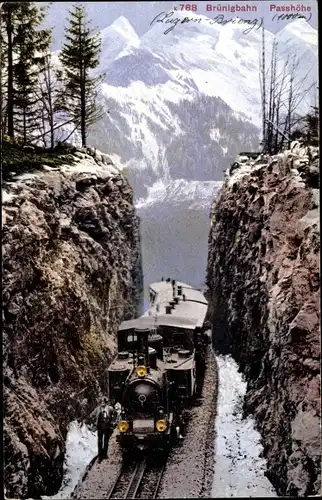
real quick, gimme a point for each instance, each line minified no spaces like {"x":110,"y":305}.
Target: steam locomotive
{"x":159,"y":366}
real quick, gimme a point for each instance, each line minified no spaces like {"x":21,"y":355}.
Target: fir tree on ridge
{"x":31,"y":44}
{"x":79,"y":55}
{"x":22,"y":46}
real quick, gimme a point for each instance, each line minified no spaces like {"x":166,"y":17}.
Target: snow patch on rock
{"x":81,"y":448}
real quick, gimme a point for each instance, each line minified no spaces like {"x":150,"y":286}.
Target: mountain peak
{"x":301,"y":29}
{"x":123,"y":26}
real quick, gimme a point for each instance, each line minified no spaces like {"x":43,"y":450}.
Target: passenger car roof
{"x":162,"y":320}
{"x":187,"y":314}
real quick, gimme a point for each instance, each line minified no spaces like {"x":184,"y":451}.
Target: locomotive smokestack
{"x":143,"y":347}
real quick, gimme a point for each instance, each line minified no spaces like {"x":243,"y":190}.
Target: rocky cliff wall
{"x":263,"y":287}
{"x":71,"y":273}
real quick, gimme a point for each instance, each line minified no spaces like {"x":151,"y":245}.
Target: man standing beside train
{"x":105,"y":417}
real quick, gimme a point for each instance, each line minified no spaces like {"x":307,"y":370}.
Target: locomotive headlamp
{"x":123,"y":426}
{"x":141,"y":371}
{"x":161,"y":425}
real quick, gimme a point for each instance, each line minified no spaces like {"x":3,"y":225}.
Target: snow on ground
{"x":87,"y":164}
{"x":240,"y":172}
{"x":299,"y":153}
{"x":239,"y":471}
{"x":81,"y":448}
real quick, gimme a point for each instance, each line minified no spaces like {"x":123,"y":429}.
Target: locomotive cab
{"x":127,"y":340}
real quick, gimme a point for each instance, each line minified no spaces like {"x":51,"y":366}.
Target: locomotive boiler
{"x":159,"y":366}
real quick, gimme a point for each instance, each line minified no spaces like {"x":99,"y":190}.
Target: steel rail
{"x":134,"y":483}
{"x":157,"y":487}
{"x":136,"y":479}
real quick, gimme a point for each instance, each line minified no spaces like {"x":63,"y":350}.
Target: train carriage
{"x":155,"y":372}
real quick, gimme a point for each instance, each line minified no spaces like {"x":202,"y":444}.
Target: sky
{"x":140,"y":14}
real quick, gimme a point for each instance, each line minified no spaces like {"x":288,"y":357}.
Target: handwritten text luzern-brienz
{"x":169,"y":18}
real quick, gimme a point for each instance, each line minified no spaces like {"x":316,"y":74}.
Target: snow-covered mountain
{"x":180,"y":192}
{"x":182,"y":105}
{"x":115,"y":38}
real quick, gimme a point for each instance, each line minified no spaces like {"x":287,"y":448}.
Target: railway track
{"x":140,"y":480}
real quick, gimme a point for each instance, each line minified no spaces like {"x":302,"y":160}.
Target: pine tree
{"x":309,"y":133}
{"x":8,"y":18}
{"x":22,"y":48}
{"x":31,"y":45}
{"x":79,"y":55}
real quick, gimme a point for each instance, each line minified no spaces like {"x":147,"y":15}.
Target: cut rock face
{"x":264,"y":303}
{"x":71,"y":273}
